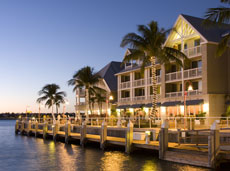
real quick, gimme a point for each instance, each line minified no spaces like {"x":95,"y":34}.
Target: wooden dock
{"x":195,"y":153}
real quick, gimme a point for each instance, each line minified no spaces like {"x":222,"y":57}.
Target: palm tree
{"x":219,"y":16}
{"x":52,"y":96}
{"x":85,"y":78}
{"x":148,"y":47}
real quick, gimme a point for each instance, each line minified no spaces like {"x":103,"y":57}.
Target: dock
{"x":205,"y":148}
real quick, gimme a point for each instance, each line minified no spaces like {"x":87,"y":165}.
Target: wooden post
{"x":83,"y":133}
{"x":129,"y":138}
{"x":163,"y":139}
{"x":29,"y":128}
{"x":36,"y":128}
{"x":55,"y":131}
{"x":45,"y":129}
{"x":103,"y":134}
{"x":16,"y":127}
{"x":213,"y":144}
{"x":178,"y":136}
{"x":67,"y":131}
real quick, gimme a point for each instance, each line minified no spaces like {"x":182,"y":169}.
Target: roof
{"x":212,"y":33}
{"x":108,"y":74}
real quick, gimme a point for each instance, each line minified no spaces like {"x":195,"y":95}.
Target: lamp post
{"x":190,"y":88}
{"x":110,"y":104}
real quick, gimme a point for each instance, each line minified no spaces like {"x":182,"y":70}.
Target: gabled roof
{"x":108,"y":74}
{"x":212,"y":33}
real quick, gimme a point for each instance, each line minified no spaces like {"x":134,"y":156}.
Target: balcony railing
{"x":196,"y":72}
{"x":193,"y":51}
{"x":125,"y":85}
{"x":150,"y":80}
{"x":126,"y":99}
{"x":138,"y":98}
{"x":140,"y":82}
{"x":151,"y":97}
{"x":179,"y":94}
{"x":194,"y":93}
{"x":173,"y":94}
{"x":173,"y":76}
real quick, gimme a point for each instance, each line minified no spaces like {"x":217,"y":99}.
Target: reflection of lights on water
{"x":113,"y":161}
{"x":149,"y":166}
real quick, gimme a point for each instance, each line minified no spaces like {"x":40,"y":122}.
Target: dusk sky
{"x":46,"y":41}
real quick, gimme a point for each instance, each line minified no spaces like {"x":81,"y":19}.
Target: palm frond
{"x":223,"y":45}
{"x":220,"y":15}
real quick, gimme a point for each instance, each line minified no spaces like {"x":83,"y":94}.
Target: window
{"x":125,"y":94}
{"x":197,"y":42}
{"x":138,"y":75}
{"x":125,"y":78}
{"x":196,"y":64}
{"x":139,"y":92}
{"x":185,"y":46}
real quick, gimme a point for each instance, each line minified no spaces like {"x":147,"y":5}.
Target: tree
{"x":100,"y":97}
{"x":85,"y":78}
{"x":148,"y":47}
{"x":50,"y":94}
{"x":219,"y":17}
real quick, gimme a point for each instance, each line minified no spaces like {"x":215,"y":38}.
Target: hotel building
{"x":207,"y":74}
{"x":108,"y":82}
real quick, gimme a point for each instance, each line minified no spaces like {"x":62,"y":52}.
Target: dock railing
{"x":182,"y":123}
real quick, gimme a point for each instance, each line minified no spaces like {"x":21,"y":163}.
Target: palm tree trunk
{"x":57,"y":109}
{"x":154,"y":86}
{"x":54,"y":120}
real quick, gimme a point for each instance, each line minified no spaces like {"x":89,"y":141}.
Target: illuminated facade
{"x":206,"y":74}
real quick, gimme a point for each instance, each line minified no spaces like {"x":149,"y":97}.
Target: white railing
{"x":194,"y":92}
{"x":125,"y":85}
{"x":193,"y":51}
{"x":138,"y":98}
{"x":190,"y":73}
{"x":173,"y":76}
{"x":126,"y":99}
{"x":149,"y":82}
{"x":81,"y":103}
{"x":140,"y":82}
{"x":173,"y":94}
{"x":151,"y":97}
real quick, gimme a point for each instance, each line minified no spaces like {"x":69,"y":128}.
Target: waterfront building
{"x":108,"y":82}
{"x":202,"y":86}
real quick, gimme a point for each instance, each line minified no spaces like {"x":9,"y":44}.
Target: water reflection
{"x":29,"y":153}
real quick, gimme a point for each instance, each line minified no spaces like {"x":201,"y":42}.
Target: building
{"x":207,"y":74}
{"x":108,"y":82}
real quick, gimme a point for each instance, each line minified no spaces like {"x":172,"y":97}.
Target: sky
{"x":46,"y":41}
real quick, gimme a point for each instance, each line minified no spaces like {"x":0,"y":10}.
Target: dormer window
{"x":197,"y":42}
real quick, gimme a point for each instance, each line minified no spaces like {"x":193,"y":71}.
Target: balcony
{"x":140,"y":82}
{"x":193,"y":51}
{"x":174,"y":76}
{"x":126,"y":99}
{"x":150,"y":97}
{"x":125,"y":85}
{"x":138,"y":98}
{"x":194,"y":93}
{"x":158,"y":80}
{"x":173,"y":94}
{"x":193,"y":73}
{"x":179,"y":94}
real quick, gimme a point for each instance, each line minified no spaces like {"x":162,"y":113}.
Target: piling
{"x":45,"y":129}
{"x":163,"y":139}
{"x":103,"y":135}
{"x":83,"y":133}
{"x":129,"y":138}
{"x":67,"y":131}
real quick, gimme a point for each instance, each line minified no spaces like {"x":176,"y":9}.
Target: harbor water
{"x":28,"y":153}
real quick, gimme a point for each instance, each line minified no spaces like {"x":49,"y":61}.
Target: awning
{"x":150,"y":105}
{"x":171,"y":103}
{"x":123,"y":107}
{"x":137,"y":106}
{"x":193,"y":102}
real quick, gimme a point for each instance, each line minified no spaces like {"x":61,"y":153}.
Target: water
{"x":28,"y":153}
